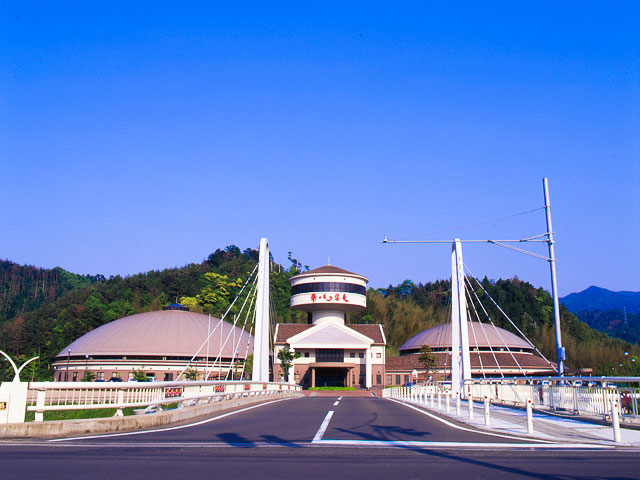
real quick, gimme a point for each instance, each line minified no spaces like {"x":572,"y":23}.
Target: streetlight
{"x":66,"y":375}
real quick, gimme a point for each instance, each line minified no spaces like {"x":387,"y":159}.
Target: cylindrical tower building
{"x":328,"y":293}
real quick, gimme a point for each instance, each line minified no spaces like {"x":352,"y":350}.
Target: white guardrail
{"x":577,"y":395}
{"x":40,"y":397}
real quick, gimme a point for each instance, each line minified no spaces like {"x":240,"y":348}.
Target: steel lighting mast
{"x":546,"y":238}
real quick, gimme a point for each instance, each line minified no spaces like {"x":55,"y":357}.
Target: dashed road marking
{"x":336,"y":403}
{"x":323,"y":427}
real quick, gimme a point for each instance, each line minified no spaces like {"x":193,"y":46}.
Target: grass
{"x":332,"y":388}
{"x":77,"y":414}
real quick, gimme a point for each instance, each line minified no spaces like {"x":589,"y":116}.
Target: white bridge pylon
{"x":261,"y":341}
{"x":460,"y":358}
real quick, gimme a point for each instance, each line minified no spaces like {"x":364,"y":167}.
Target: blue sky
{"x":143,"y":137}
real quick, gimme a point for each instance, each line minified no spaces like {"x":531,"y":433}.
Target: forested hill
{"x":25,"y":288}
{"x":42,"y":320}
{"x":615,"y":313}
{"x":206,"y":287}
{"x":596,"y":298}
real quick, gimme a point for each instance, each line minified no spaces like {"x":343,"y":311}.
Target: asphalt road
{"x":363,"y":438}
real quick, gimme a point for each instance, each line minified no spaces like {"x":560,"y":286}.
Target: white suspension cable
{"x":219,"y":323}
{"x":473,"y":330}
{"x":510,"y":321}
{"x":495,"y":359}
{"x":502,"y":339}
{"x":236,"y":346}
{"x":235,"y":321}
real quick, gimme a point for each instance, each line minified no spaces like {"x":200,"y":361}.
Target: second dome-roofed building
{"x":493,"y":351}
{"x":332,"y":353}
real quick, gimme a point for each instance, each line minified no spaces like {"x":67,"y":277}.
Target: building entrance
{"x":331,"y":377}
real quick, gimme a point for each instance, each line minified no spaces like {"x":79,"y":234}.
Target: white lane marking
{"x":408,"y":443}
{"x":336,"y":403}
{"x":107,"y":435}
{"x":481,"y":432}
{"x":323,"y":427}
{"x":324,"y":443}
{"x":339,"y":398}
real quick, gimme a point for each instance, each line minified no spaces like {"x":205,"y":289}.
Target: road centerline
{"x":323,"y":427}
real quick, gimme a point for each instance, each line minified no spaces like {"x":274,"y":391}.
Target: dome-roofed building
{"x":492,"y":350}
{"x":161,"y":343}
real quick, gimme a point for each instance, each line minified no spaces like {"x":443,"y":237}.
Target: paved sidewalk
{"x":512,"y":421}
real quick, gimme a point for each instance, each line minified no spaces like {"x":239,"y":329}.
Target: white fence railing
{"x":40,"y":397}
{"x":577,"y":395}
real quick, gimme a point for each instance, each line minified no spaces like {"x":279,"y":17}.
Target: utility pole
{"x":560,"y":352}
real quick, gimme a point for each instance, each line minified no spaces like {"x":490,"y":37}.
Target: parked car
{"x":115,"y":379}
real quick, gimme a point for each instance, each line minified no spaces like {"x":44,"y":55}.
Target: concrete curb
{"x":63,"y":428}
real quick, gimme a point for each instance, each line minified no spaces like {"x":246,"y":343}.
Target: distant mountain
{"x":596,"y":298}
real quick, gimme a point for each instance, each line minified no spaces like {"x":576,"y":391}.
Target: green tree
{"x":191,"y":373}
{"x":427,"y":358}
{"x":286,"y":358}
{"x":139,"y":375}
{"x":89,"y":376}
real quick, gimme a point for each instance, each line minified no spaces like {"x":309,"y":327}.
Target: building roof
{"x":478,"y":360}
{"x":328,"y":270}
{"x":288,"y":330}
{"x":171,"y":333}
{"x":480,"y":334}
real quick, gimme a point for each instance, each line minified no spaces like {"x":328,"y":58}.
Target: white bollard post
{"x":431,"y":399}
{"x":448,"y":400}
{"x":487,"y":420}
{"x":439,"y":401}
{"x":470,"y":405}
{"x":457,"y":404}
{"x":615,"y":420}
{"x":529,"y":417}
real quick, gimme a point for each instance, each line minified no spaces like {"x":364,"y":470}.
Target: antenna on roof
{"x":328,"y":260}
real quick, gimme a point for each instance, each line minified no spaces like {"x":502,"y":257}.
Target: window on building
{"x":397,"y":379}
{"x":330,"y":355}
{"x":406,"y":378}
{"x":361,"y":354}
{"x":378,"y":355}
{"x":362,"y":379}
{"x":100,"y":376}
{"x":378,"y":379}
{"x":131,"y":376}
{"x":116,"y":374}
{"x":389,"y":379}
{"x":306,"y":354}
{"x":352,"y":355}
{"x":168,"y":377}
{"x":296,"y":377}
{"x":75,"y":376}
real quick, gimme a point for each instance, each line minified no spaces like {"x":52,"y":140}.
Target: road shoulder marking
{"x":166,"y":429}
{"x":426,"y":445}
{"x":459,"y":427}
